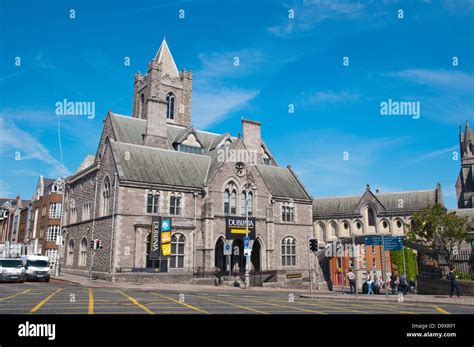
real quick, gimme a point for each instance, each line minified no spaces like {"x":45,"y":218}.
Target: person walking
{"x":369,"y":285}
{"x":404,"y":283}
{"x":351,"y":277}
{"x":393,"y":282}
{"x":452,"y":280}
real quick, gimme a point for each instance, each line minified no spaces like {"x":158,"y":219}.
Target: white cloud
{"x":14,"y":139}
{"x":212,"y":106}
{"x":436,"y":153}
{"x":5,"y":190}
{"x":308,"y":13}
{"x":439,"y":78}
{"x":331,"y":97}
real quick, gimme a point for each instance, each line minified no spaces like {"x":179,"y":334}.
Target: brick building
{"x":10,"y":226}
{"x":339,"y":218}
{"x":156,"y":164}
{"x":45,"y":218}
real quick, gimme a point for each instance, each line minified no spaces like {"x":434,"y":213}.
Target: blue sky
{"x":283,"y":61}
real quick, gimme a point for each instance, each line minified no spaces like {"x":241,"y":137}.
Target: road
{"x":63,"y":298}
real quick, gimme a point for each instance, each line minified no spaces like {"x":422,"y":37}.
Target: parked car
{"x":375,"y":288}
{"x":37,"y":267}
{"x":12,"y":270}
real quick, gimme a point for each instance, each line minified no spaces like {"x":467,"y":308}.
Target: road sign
{"x":373,"y":240}
{"x":247,"y":252}
{"x":227,"y":249}
{"x":393,"y":243}
{"x":246,"y":242}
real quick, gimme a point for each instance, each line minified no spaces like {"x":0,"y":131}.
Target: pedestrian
{"x":352,"y":284}
{"x":412,"y":285}
{"x":393,"y":282}
{"x":404,"y":283}
{"x":452,"y":280}
{"x":369,"y":285}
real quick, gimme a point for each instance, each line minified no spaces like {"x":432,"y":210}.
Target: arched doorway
{"x":255,"y":257}
{"x":237,"y":258}
{"x":219,"y":258}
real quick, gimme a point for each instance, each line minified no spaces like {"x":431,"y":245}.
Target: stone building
{"x":465,"y":181}
{"x":155,"y":163}
{"x":372,"y":213}
{"x":10,"y":226}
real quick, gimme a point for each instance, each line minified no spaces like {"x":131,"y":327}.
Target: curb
{"x":363,"y":297}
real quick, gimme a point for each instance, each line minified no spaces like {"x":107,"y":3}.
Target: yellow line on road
{"x":90,"y":309}
{"x":324,"y":306}
{"x":439,"y":309}
{"x":231,"y":304}
{"x":285,"y":306}
{"x":181,"y":303}
{"x":143,"y":307}
{"x":44,"y":301}
{"x":13,"y":296}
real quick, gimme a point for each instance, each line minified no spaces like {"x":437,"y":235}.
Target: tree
{"x":440,"y":230}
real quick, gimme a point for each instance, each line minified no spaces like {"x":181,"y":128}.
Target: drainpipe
{"x":93,"y":225}
{"x":194,"y":232}
{"x":111,"y":267}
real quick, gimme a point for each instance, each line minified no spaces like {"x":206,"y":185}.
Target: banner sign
{"x":165,"y":236}
{"x":235,"y":227}
{"x":155,"y":238}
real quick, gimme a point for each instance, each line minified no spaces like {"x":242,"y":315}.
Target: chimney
{"x":252,"y":137}
{"x":156,"y":130}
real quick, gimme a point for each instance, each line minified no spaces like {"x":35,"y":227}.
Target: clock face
{"x":240,"y":169}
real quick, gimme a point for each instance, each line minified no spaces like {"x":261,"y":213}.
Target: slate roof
{"x":281,"y":182}
{"x":158,"y":166}
{"x":170,"y":167}
{"x":132,"y":130}
{"x":465,"y":212}
{"x":346,"y":205}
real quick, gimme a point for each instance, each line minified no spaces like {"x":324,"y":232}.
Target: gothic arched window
{"x":106,"y":197}
{"x":170,"y":106}
{"x":371,"y":216}
{"x":233,"y":202}
{"x":226,"y":202}
{"x":142,"y":106}
{"x":177,"y":251}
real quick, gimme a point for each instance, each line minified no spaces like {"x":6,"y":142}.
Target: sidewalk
{"x":84,"y":281}
{"x":410,"y":298}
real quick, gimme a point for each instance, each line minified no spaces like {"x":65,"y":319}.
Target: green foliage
{"x":439,"y":229}
{"x":410,"y":262}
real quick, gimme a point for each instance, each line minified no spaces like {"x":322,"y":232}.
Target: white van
{"x":12,"y":269}
{"x":37,"y":267}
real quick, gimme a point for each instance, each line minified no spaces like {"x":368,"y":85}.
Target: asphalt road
{"x":62,"y":298}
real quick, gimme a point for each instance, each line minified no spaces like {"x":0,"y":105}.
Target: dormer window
{"x":170,"y":106}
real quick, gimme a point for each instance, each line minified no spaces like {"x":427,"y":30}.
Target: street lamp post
{"x":248,"y":186}
{"x":60,"y":185}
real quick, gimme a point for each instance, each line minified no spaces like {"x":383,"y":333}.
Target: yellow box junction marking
{"x":231,"y":304}
{"x":181,"y":303}
{"x":143,"y":307}
{"x":44,"y":301}
{"x":90,"y":308}
{"x":13,"y":296}
{"x":439,"y":309}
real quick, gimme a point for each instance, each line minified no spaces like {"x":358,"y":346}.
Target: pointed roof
{"x":164,"y":57}
{"x":468,"y":132}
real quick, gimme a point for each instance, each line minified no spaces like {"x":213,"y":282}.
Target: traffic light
{"x":92,"y":244}
{"x":98,"y":245}
{"x":313,"y":245}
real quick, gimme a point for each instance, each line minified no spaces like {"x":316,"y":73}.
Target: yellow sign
{"x":166,"y":249}
{"x":166,"y":237}
{"x":238,"y":231}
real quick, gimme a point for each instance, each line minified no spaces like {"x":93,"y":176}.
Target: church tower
{"x":162,"y":96}
{"x":465,"y":182}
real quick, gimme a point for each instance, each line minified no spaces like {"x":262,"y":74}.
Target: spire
{"x":164,"y":57}
{"x":468,"y":133}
